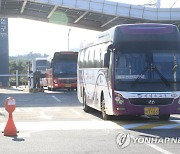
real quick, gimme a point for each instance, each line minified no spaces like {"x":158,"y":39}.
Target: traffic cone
{"x":10,"y":129}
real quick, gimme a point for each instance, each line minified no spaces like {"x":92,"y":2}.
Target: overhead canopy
{"x":90,"y":14}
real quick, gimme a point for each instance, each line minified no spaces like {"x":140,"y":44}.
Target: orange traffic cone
{"x":10,"y":129}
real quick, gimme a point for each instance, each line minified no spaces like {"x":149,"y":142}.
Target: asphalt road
{"x":54,"y":123}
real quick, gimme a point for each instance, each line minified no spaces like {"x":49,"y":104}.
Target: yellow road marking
{"x":150,"y":126}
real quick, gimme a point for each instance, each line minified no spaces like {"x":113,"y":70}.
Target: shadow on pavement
{"x":18,"y":139}
{"x":42,"y":99}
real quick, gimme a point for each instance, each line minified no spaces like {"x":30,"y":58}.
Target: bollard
{"x":10,"y":128}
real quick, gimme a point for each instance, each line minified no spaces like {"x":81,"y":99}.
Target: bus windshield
{"x":41,"y":62}
{"x":65,"y":69}
{"x":152,"y":66}
{"x":41,"y":65}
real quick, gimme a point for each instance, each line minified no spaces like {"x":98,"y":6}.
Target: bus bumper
{"x":65,"y":86}
{"x":131,"y":109}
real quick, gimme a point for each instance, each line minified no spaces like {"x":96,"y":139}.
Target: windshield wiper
{"x":140,"y":76}
{"x":165,"y":81}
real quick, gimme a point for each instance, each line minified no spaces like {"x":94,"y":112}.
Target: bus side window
{"x":51,"y":66}
{"x":101,"y":58}
{"x":81,"y":57}
{"x":103,"y":52}
{"x":48,"y":64}
{"x":97,"y":57}
{"x":86,"y":58}
{"x":79,"y":64}
{"x":91,"y":58}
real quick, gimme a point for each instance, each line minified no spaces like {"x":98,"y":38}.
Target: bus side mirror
{"x":106,"y":60}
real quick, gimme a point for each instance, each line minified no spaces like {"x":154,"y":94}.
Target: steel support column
{"x":4,"y":52}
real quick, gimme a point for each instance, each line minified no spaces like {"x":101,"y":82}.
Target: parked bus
{"x":131,"y":70}
{"x":41,"y":64}
{"x":63,"y":71}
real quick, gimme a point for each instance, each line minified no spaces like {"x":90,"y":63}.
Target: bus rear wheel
{"x":164,"y":117}
{"x":103,"y":110}
{"x":86,"y":108}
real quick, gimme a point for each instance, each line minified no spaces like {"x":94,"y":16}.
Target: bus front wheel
{"x":103,"y":110}
{"x":49,"y":88}
{"x":86,"y":108}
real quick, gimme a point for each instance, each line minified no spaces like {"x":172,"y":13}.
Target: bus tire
{"x":103,"y":111}
{"x":49,"y":89}
{"x":164,"y":117}
{"x":86,"y":108}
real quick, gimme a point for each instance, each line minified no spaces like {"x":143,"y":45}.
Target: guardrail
{"x":17,"y":76}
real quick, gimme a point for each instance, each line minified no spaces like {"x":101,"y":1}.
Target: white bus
{"x":131,"y":70}
{"x":41,"y":64}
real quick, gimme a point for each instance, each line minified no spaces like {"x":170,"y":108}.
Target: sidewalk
{"x":12,"y":89}
{"x":20,"y":88}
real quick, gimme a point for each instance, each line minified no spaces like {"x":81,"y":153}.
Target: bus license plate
{"x":67,"y":85}
{"x":151,"y":111}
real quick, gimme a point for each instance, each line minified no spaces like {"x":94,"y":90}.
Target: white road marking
{"x":64,"y":125}
{"x":58,"y":100}
{"x":25,"y":134}
{"x":155,"y":147}
{"x":17,"y":110}
{"x":26,"y":109}
{"x":159,"y":149}
{"x":177,"y":121}
{"x":76,"y":112}
{"x":94,"y":120}
{"x":45,"y":116}
{"x":3,"y":110}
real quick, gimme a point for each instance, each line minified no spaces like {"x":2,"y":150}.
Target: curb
{"x":33,"y":90}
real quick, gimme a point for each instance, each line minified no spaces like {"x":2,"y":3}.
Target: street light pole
{"x":68,"y":38}
{"x":158,"y":4}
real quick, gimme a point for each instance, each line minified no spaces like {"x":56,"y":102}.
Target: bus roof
{"x":57,"y":55}
{"x":65,"y":52}
{"x":126,"y":31}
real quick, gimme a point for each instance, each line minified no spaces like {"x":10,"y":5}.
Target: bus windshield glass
{"x":65,"y":69}
{"x":143,"y":67}
{"x":41,"y":65}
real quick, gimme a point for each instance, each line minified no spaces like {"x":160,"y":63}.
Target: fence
{"x":17,"y":79}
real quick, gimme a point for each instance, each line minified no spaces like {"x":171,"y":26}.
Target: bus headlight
{"x":119,"y":98}
{"x":55,"y":81}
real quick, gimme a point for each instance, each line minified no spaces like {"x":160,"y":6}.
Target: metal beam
{"x":81,"y":17}
{"x":23,"y":6}
{"x":109,"y":21}
{"x":52,"y":11}
{"x":0,"y":5}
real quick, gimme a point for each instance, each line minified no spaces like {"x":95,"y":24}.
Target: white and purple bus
{"x":132,"y":70}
